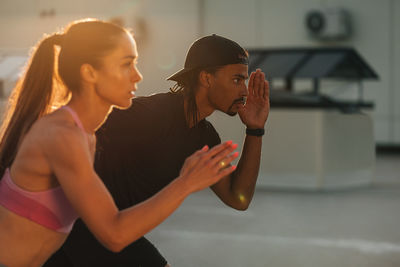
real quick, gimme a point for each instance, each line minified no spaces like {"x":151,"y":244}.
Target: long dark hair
{"x":51,"y":75}
{"x":188,"y":85}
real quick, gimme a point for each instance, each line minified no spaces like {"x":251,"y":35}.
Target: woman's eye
{"x":236,"y":80}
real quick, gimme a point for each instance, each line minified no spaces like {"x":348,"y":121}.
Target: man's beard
{"x":241,"y":100}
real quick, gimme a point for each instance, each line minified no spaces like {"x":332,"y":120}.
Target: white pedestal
{"x":311,"y":148}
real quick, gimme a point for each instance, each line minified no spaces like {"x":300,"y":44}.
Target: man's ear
{"x":204,"y":79}
{"x":88,"y":73}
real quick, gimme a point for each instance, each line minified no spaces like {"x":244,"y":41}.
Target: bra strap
{"x":76,"y":119}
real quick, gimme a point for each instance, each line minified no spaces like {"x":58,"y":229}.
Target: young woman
{"x":46,"y":154}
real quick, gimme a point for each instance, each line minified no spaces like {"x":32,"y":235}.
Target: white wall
{"x":280,"y":23}
{"x":171,"y":26}
{"x":395,"y":72}
{"x":168,"y":29}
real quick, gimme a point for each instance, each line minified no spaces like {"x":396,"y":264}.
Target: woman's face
{"x":118,"y":75}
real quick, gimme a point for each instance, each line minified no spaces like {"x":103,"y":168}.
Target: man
{"x":141,"y":150}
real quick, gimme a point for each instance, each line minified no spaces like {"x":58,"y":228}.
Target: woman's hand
{"x":207,"y":166}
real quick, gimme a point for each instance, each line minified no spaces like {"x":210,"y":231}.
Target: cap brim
{"x":176,"y":75}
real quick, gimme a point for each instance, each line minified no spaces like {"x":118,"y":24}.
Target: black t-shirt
{"x":139,"y":151}
{"x":142,"y":149}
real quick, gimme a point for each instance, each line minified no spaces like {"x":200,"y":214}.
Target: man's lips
{"x":241,"y":100}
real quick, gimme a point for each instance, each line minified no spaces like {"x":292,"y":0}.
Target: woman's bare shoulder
{"x":56,"y":130}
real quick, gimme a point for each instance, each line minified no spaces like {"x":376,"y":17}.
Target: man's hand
{"x":255,"y":113}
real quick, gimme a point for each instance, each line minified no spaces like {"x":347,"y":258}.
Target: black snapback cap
{"x":212,"y":51}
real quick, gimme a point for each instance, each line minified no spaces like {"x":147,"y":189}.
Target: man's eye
{"x":236,"y":80}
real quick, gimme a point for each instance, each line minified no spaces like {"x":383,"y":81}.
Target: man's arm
{"x":237,"y":189}
{"x":71,"y":163}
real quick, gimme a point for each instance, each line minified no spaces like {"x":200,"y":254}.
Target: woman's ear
{"x":88,"y":73}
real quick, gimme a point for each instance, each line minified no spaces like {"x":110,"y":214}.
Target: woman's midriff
{"x":25,"y":243}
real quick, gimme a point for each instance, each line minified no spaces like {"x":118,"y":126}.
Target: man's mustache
{"x":241,"y":100}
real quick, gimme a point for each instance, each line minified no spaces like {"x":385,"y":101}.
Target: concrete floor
{"x":357,"y":227}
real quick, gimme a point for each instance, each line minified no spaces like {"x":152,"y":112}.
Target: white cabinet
{"x":312,"y":149}
{"x":317,"y":149}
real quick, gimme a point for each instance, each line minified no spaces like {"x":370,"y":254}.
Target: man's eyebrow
{"x":241,"y":76}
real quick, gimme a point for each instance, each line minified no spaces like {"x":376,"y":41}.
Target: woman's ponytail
{"x":31,"y":98}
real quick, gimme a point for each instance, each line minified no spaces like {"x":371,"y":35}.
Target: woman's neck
{"x":92,"y":115}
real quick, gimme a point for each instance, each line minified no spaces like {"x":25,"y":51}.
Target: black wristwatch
{"x":255,"y":132}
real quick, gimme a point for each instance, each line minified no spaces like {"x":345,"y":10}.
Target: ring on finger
{"x":222,"y":164}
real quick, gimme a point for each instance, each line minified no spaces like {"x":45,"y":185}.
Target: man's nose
{"x":244,"y":91}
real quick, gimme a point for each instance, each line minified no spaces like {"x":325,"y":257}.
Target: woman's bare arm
{"x":70,"y":161}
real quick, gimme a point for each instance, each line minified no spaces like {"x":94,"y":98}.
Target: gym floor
{"x":354,"y":227}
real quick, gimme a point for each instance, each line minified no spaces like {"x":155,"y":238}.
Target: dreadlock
{"x":187,"y":85}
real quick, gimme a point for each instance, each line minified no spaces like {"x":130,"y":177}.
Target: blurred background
{"x":329,"y":185}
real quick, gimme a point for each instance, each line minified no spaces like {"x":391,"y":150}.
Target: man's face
{"x":228,"y":89}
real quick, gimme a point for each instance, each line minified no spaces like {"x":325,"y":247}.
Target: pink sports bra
{"x":48,"y":208}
